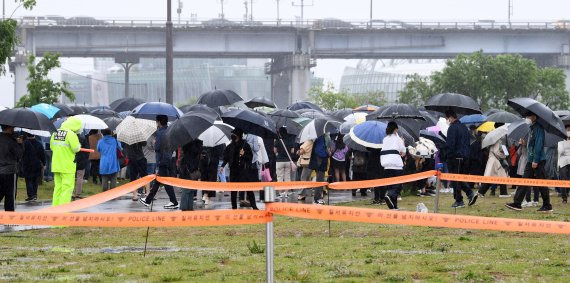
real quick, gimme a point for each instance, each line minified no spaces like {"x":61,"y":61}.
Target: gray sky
{"x":331,"y":70}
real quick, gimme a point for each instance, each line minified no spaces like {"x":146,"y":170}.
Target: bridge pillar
{"x":290,"y":78}
{"x":20,"y":70}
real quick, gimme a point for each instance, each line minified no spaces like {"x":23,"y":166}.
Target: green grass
{"x":304,"y":252}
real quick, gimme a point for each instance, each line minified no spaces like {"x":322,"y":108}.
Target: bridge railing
{"x":307,"y":24}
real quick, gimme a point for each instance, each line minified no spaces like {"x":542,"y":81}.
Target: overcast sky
{"x":331,"y":70}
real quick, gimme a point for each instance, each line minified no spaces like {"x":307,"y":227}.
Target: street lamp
{"x":169,"y":55}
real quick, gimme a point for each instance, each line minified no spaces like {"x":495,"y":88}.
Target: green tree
{"x":377,"y":98}
{"x":8,"y":36}
{"x":491,"y":81}
{"x":41,"y":89}
{"x":417,"y":90}
{"x":331,"y":99}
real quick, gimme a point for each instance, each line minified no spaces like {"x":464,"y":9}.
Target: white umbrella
{"x":356,"y":118}
{"x":317,"y":128}
{"x":38,"y":133}
{"x":133,"y":130}
{"x":443,"y":126}
{"x":423,"y":148}
{"x":217,"y":134}
{"x":91,"y":122}
{"x":495,"y":135}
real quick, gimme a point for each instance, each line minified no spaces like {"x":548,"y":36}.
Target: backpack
{"x":359,"y":159}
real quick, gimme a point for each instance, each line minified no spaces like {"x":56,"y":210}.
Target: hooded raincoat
{"x":64,"y":145}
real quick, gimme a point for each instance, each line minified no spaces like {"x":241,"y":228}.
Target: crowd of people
{"x":249,"y":158}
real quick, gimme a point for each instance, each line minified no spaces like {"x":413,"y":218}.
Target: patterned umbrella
{"x":133,"y":130}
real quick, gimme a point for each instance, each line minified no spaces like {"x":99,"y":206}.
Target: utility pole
{"x":3,"y":9}
{"x":278,"y":19}
{"x":222,"y":4}
{"x":169,"y":55}
{"x":370,"y":13}
{"x":179,"y":10}
{"x":251,"y":10}
{"x":245,"y":17}
{"x":510,"y":13}
{"x":302,"y":5}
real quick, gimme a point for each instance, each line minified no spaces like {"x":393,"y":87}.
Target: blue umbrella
{"x":150,"y":110}
{"x":473,"y":119}
{"x":48,"y":110}
{"x":369,"y":134}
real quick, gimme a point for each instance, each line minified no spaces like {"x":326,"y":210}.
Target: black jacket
{"x":82,"y":158}
{"x":457,"y":142}
{"x":34,"y":158}
{"x":239,"y":165}
{"x":10,"y":154}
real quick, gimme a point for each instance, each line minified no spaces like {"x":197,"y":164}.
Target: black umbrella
{"x":202,"y":108}
{"x":545,"y":117}
{"x":26,"y":119}
{"x":348,"y":141}
{"x":260,"y":102}
{"x":250,"y":122}
{"x":91,"y":108}
{"x":412,"y":124}
{"x":520,"y":130}
{"x":342,"y":113}
{"x":312,"y":113}
{"x":459,"y":103}
{"x":562,"y":113}
{"x":125,"y":104}
{"x":79,"y":109}
{"x":503,"y":117}
{"x":436,"y":138}
{"x":103,"y":113}
{"x":219,"y":97}
{"x":395,"y":110}
{"x":566,"y":120}
{"x":112,"y":122}
{"x":187,"y":128}
{"x":64,"y":110}
{"x":430,"y":120}
{"x":304,"y":105}
{"x":491,"y":112}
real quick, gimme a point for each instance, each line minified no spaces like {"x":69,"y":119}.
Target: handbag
{"x":266,"y":175}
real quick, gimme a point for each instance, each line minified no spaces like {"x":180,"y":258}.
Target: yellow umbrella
{"x":486,"y":127}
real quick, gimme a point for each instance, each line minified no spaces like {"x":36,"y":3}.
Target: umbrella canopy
{"x":124,"y":114}
{"x":91,"y":108}
{"x":219,"y":97}
{"x":64,"y":110}
{"x":486,"y":127}
{"x":79,"y":109}
{"x":545,"y":117}
{"x":503,"y":117}
{"x":296,"y":125}
{"x":282,"y":116}
{"x":188,"y":128}
{"x":345,"y":127}
{"x":520,"y":130}
{"x":304,"y":105}
{"x":200,"y":108}
{"x":494,"y":136}
{"x":473,"y":119}
{"x":410,"y":125}
{"x":26,"y":119}
{"x":317,"y":128}
{"x":103,"y":113}
{"x":562,"y":113}
{"x":491,"y":112}
{"x":150,"y":110}
{"x":125,"y":104}
{"x":367,"y":108}
{"x":217,"y":134}
{"x":369,"y":134}
{"x":340,"y":114}
{"x":260,"y":102}
{"x":430,"y":119}
{"x":132,"y":130}
{"x":113,"y":122}
{"x":459,"y":103}
{"x":566,"y":121}
{"x":46,"y":109}
{"x":356,"y":118}
{"x":348,"y":141}
{"x":443,"y":126}
{"x":91,"y":122}
{"x":435,"y":137}
{"x":395,"y":110}
{"x":423,"y":148}
{"x":250,"y":122}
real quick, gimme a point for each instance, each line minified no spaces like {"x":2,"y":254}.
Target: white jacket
{"x":392,"y":161}
{"x":563,"y":153}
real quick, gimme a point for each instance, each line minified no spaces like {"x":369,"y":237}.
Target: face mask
{"x":528,"y":121}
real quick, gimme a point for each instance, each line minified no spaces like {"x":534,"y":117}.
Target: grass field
{"x":304,"y":251}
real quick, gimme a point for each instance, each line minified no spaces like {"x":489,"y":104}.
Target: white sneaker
{"x":399,"y":198}
{"x":535,"y":203}
{"x":171,"y":205}
{"x":526,"y":204}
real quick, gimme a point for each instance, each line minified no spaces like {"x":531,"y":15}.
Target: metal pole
{"x":222,"y":3}
{"x":127,"y":75}
{"x":370,"y":13}
{"x":169,"y":55}
{"x":437,"y":182}
{"x":302,"y":10}
{"x":277,"y":12}
{"x":3,"y":9}
{"x":269,"y":245}
{"x":251,"y":10}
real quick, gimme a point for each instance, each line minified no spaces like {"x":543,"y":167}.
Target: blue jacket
{"x":162,"y":158}
{"x":458,"y":138}
{"x":535,"y":145}
{"x":109,"y":163}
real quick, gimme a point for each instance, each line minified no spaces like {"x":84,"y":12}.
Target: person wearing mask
{"x":318,"y":163}
{"x":496,"y":167}
{"x":81,"y":159}
{"x":457,"y":154}
{"x":32,"y":163}
{"x":393,"y":150}
{"x":11,"y":152}
{"x":564,"y":163}
{"x":191,"y":167}
{"x":239,"y":156}
{"x":64,"y":144}
{"x":534,"y":168}
{"x":137,"y":164}
{"x":95,"y":156}
{"x":164,"y":163}
{"x":284,"y":148}
{"x":108,"y":146}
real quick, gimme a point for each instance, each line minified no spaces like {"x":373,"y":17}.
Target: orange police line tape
{"x":245,"y":186}
{"x":138,"y":219}
{"x":382,"y":182}
{"x":368,"y":215}
{"x":504,"y":180}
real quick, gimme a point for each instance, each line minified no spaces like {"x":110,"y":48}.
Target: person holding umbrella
{"x":64,"y":144}
{"x":11,"y":152}
{"x":457,"y":153}
{"x":393,"y":150}
{"x":32,"y":163}
{"x":534,"y":169}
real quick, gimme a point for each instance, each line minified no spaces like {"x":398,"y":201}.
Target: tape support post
{"x":368,"y":215}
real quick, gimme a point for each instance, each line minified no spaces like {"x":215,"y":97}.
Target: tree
{"x":8,"y":36}
{"x":331,"y":99}
{"x":41,"y":89}
{"x":491,"y":81}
